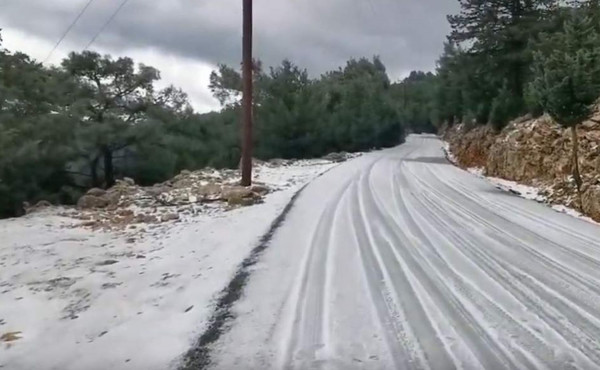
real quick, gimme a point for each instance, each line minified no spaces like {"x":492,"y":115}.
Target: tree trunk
{"x":94,"y":172}
{"x":109,"y":173}
{"x":518,"y":84}
{"x":576,"y":174}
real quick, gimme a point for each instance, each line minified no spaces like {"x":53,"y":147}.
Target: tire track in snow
{"x":481,"y":306}
{"x":576,"y":328}
{"x":509,"y":281}
{"x":531,"y":341}
{"x":305,"y":338}
{"x":307,"y":332}
{"x":580,"y":242}
{"x":392,"y":297}
{"x":198,"y":357}
{"x":576,"y":288}
{"x":580,"y":239}
{"x":449,"y":276}
{"x":480,"y":343}
{"x":492,"y":222}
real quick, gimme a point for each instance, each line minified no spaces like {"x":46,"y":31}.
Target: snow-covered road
{"x":399,"y":260}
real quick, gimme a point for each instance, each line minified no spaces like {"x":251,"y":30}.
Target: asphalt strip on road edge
{"x":198,"y":357}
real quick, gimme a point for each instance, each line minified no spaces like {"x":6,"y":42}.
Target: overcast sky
{"x":185,"y":39}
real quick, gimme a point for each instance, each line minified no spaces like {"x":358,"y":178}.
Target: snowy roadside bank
{"x":72,"y":298}
{"x":525,"y":191}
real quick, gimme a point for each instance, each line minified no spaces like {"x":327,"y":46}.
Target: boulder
{"x":260,"y":189}
{"x":169,"y":217}
{"x":113,"y":198}
{"x":125,"y":212}
{"x":91,"y":202}
{"x":591,"y":202}
{"x":209,"y":192}
{"x":336,"y":157}
{"x":157,"y":190}
{"x":42,"y":204}
{"x":237,"y":192}
{"x":181,"y":181}
{"x":278,"y":162}
{"x":240,"y":196}
{"x":146,"y":219}
{"x":96,"y":192}
{"x":590,"y":125}
{"x":242,"y":201}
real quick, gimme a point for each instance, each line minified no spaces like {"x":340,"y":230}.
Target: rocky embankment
{"x":128,"y":205}
{"x":535,"y":152}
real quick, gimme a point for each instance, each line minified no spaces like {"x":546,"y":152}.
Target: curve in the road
{"x":410,"y":263}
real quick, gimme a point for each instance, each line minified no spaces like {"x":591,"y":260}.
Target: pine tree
{"x":496,"y":35}
{"x":36,"y":133}
{"x":116,"y":98}
{"x":567,"y":78}
{"x":448,"y":98}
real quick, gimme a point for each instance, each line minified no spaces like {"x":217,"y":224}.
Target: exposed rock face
{"x":470,"y":147}
{"x":541,"y":150}
{"x":591,"y":201}
{"x":535,"y":152}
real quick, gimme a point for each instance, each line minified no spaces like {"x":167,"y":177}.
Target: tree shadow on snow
{"x":434,"y":160}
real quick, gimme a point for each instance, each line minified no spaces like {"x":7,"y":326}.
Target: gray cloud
{"x":316,"y":34}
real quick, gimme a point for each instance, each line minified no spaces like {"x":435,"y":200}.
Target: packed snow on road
{"x":400,"y":260}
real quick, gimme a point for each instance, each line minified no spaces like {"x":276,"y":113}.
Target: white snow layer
{"x":448,"y":152}
{"x":525,"y":191}
{"x":398,"y":260}
{"x":71,"y":298}
{"x":532,"y":193}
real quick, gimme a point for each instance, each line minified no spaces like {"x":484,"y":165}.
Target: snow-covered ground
{"x":398,"y":260}
{"x":525,"y":191}
{"x":448,"y":152}
{"x":71,"y":298}
{"x":529,"y":192}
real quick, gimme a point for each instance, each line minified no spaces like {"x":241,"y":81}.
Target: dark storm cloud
{"x":316,"y":34}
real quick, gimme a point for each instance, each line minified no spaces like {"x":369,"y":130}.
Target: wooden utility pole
{"x":247,"y":95}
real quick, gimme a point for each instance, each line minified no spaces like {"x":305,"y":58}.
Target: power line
{"x":112,"y":17}
{"x":60,"y":40}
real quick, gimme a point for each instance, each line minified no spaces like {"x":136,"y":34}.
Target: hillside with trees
{"x":553,"y":143}
{"x":486,"y":72}
{"x":93,"y":119}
